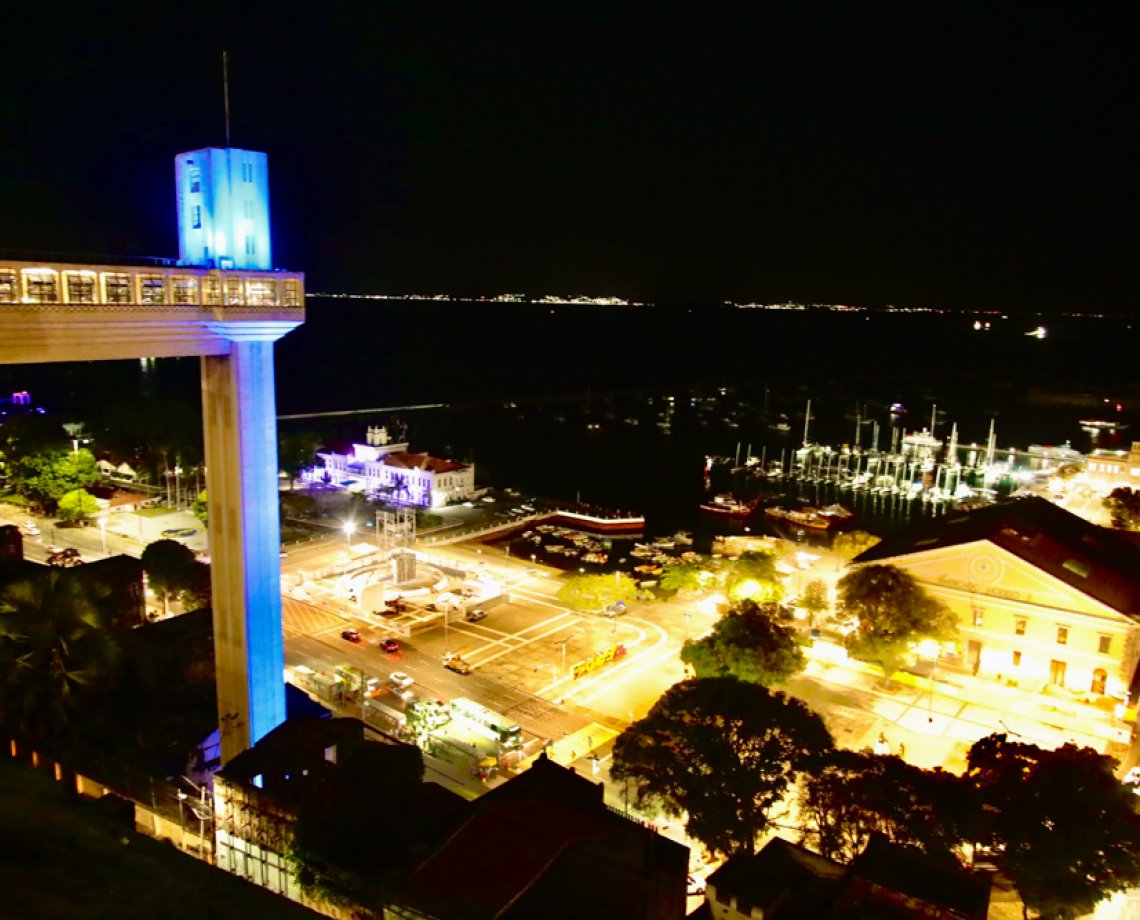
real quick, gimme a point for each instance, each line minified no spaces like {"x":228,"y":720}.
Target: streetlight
{"x":563,"y":643}
{"x":349,"y":529}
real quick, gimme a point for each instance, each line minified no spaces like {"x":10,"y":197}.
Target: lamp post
{"x":563,"y":643}
{"x":349,"y":529}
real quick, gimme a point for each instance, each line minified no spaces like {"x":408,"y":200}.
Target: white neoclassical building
{"x":389,"y":470}
{"x":1043,"y":598}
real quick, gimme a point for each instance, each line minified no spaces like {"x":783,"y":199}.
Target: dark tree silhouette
{"x":722,"y":751}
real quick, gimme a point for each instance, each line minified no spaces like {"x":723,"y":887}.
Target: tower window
{"x":246,"y":172}
{"x":1019,"y":626}
{"x":1062,"y":635}
{"x":196,"y":217}
{"x":1104,"y":645}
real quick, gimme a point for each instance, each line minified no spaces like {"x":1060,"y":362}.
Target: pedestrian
{"x":881,"y":745}
{"x":902,"y":749}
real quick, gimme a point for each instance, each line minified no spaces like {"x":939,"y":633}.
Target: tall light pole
{"x":349,"y":530}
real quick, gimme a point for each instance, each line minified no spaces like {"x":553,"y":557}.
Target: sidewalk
{"x":938,"y":718}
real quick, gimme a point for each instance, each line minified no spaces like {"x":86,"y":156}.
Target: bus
{"x":497,"y":727}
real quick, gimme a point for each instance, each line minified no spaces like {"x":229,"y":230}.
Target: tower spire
{"x":226,"y":91}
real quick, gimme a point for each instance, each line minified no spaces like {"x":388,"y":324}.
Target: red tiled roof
{"x":409,"y":461}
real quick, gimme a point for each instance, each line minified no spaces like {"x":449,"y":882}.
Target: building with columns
{"x":389,"y":470}
{"x":1043,"y":598}
{"x":228,"y":308}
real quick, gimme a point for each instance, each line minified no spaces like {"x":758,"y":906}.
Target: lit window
{"x":185,"y":290}
{"x":117,"y":288}
{"x":1104,"y":645}
{"x":152,"y":289}
{"x":9,"y":289}
{"x":260,"y":292}
{"x":40,"y":285}
{"x":979,"y":616}
{"x":1062,"y":635}
{"x":292,"y":292}
{"x":212,"y":291}
{"x":234,"y":291}
{"x":1016,"y":659}
{"x":1019,"y":626}
{"x":80,"y":287}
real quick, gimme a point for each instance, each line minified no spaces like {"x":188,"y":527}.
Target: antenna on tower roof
{"x":226,"y":91}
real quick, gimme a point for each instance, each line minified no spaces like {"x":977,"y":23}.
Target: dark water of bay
{"x":620,"y":405}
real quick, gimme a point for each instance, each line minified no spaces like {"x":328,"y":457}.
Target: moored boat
{"x":726,"y":505}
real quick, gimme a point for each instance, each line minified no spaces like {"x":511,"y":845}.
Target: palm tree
{"x":56,"y":654}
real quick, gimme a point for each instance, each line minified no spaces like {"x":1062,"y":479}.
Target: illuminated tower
{"x":228,"y":307}
{"x":223,"y":208}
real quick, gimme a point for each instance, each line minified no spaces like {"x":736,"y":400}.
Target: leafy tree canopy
{"x":77,"y":505}
{"x":814,"y":598}
{"x":893,"y":613}
{"x":46,"y":477}
{"x":168,"y":565}
{"x":753,"y":576}
{"x":56,"y":654}
{"x":683,"y":576}
{"x":750,"y":643}
{"x":852,"y":543}
{"x":596,"y":592}
{"x":296,"y":450}
{"x":721,"y":751}
{"x":201,"y":507}
{"x":1123,"y":505}
{"x":1068,"y":827}
{"x":854,"y":795}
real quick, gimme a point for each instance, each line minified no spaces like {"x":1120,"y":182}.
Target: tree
{"x":56,"y":654}
{"x":753,"y":576}
{"x":893,"y":613}
{"x":851,"y":544}
{"x":46,"y":477}
{"x":853,"y":795}
{"x":750,"y":643}
{"x":77,"y":505}
{"x":683,"y":576}
{"x":1067,"y":827}
{"x":814,"y":600}
{"x":721,"y":751}
{"x":596,"y":592}
{"x":168,"y":565}
{"x":195,"y":590}
{"x":296,"y":451}
{"x":1123,"y":505}
{"x":201,"y":507}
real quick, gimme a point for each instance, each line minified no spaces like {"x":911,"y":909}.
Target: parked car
{"x":400,"y":680}
{"x":474,"y":616}
{"x":31,"y":529}
{"x":391,"y":646}
{"x":352,"y":635}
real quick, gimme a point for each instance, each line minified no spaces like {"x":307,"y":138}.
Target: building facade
{"x":1042,"y":597}
{"x":388,"y":470}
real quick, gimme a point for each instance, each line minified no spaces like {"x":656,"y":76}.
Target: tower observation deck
{"x":229,"y":316}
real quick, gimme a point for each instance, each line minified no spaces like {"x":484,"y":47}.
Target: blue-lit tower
{"x":223,"y":208}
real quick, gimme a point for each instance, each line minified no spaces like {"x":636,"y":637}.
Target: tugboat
{"x":726,"y":505}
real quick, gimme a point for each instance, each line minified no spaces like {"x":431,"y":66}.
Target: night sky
{"x":958,"y":154}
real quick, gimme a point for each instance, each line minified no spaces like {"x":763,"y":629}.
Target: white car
{"x":400,"y":680}
{"x":31,"y":529}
